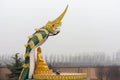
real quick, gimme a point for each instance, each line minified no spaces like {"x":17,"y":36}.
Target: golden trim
{"x":26,"y":55}
{"x":44,"y":31}
{"x":26,"y":65}
{"x":31,"y":36}
{"x":39,"y":36}
{"x":37,"y":29}
{"x":31,"y":44}
{"x":26,"y":45}
{"x":21,"y":74}
{"x":60,"y":77}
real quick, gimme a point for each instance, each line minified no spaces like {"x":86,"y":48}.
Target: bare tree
{"x":100,"y":73}
{"x":113,"y":73}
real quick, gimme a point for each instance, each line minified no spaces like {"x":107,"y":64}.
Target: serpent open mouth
{"x":57,"y":29}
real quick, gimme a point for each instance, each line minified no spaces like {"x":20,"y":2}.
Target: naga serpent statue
{"x":35,"y":40}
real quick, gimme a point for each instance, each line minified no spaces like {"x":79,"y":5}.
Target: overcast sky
{"x":88,"y":26}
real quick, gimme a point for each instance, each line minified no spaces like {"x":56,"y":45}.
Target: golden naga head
{"x":52,"y":26}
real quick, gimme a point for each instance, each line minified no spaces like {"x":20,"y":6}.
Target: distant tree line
{"x":82,"y":60}
{"x":96,"y":59}
{"x":14,"y":64}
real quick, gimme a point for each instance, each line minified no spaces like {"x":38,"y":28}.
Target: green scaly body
{"x":36,"y":38}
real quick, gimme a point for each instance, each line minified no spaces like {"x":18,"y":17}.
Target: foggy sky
{"x":88,"y":26}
